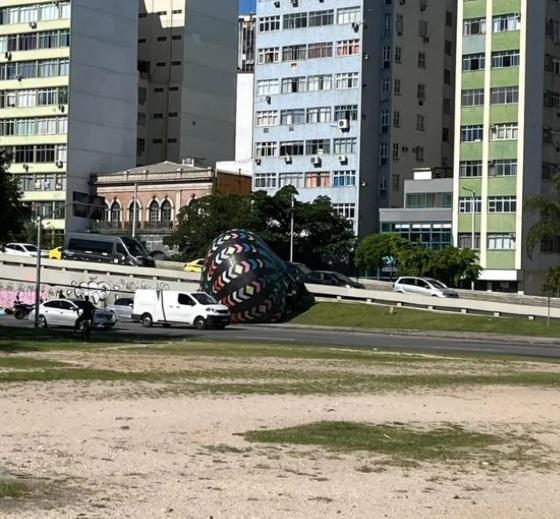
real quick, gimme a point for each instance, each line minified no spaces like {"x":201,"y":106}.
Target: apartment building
{"x":350,"y":97}
{"x":67,"y":98}
{"x":508,"y":106}
{"x":246,"y":46}
{"x":187,"y":60}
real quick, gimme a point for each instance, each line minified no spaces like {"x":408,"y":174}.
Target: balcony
{"x":165,"y":227}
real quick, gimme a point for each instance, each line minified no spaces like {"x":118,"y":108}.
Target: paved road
{"x":292,"y":335}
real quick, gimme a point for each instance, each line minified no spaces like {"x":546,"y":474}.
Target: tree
{"x":551,"y":287}
{"x":373,"y":249}
{"x":321,"y":236}
{"x":454,"y":266}
{"x":548,"y":209}
{"x":206,"y":218}
{"x":14,"y":213}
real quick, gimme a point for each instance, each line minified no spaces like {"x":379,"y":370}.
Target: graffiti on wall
{"x":102,"y":292}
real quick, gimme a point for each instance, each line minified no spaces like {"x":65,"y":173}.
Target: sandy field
{"x":116,"y":450}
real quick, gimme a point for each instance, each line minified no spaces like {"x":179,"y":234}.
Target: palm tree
{"x":548,"y":209}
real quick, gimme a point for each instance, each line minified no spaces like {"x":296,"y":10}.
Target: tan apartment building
{"x":68,"y":83}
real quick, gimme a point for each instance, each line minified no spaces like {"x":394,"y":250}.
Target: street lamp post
{"x":473,"y":199}
{"x":134,"y":211}
{"x":292,"y":229}
{"x":38,"y":272}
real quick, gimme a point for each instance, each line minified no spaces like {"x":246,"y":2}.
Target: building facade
{"x":350,"y":97}
{"x":68,"y":84}
{"x":508,"y":102}
{"x":158,"y":191}
{"x":246,"y":45}
{"x":428,"y":209}
{"x":187,"y":63}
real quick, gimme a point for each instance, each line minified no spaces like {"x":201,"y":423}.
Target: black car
{"x":329,"y":277}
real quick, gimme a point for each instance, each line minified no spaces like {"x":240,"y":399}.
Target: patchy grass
{"x":445,"y":443}
{"x":378,"y":317}
{"x":12,"y":489}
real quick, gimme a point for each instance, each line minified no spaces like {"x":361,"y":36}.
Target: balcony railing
{"x":126,"y":227}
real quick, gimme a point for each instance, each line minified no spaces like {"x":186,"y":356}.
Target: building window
{"x":319,"y":50}
{"x":292,"y":117}
{"x":465,"y":240}
{"x":293,"y":85}
{"x":504,"y":59}
{"x":348,"y":112}
{"x":319,"y":115}
{"x":422,"y":59}
{"x":321,"y":18}
{"x":269,"y":23}
{"x":166,"y":214}
{"x":290,"y":179}
{"x":506,"y":23}
{"x":347,"y":80}
{"x":473,"y":62}
{"x":153,"y":213}
{"x":344,"y":178}
{"x":504,"y":95}
{"x":317,"y":146}
{"x":474,"y":97}
{"x":472,"y":133}
{"x":293,"y":53}
{"x":115,"y":213}
{"x":502,"y":204}
{"x":292,"y":148}
{"x":466,"y":204}
{"x":317,"y":179}
{"x":267,"y":118}
{"x":321,"y":82}
{"x":348,"y":47}
{"x":420,"y":123}
{"x":295,"y":21}
{"x":268,"y":87}
{"x":347,"y":211}
{"x":470,"y":168}
{"x":266,"y":149}
{"x":345,"y":145}
{"x":268,"y":55}
{"x":504,"y":241}
{"x":474,"y":27}
{"x":504,"y":132}
{"x":504,"y":168}
{"x":346,"y":15}
{"x":265,"y":180}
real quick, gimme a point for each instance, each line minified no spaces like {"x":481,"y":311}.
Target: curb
{"x":490,"y":337}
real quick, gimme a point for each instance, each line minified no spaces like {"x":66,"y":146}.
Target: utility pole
{"x":292,"y":229}
{"x":134,"y":210}
{"x":473,"y":200}
{"x":38,"y":272}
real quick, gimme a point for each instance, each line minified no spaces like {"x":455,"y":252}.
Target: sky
{"x":246,"y":6}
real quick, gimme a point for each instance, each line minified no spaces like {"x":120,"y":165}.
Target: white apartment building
{"x":187,"y":56}
{"x":68,"y":83}
{"x":350,"y":97}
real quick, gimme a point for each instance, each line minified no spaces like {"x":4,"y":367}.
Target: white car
{"x":64,"y":312}
{"x":22,"y":249}
{"x":423,"y":287}
{"x":122,"y":308}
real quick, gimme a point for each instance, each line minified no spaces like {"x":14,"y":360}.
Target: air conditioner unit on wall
{"x":343,"y":124}
{"x":316,"y":160}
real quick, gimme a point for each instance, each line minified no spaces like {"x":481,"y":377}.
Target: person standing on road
{"x":88,"y":311}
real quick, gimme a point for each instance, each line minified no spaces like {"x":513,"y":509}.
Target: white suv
{"x":423,"y":287}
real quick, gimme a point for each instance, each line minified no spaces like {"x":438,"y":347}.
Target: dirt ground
{"x":113,"y":450}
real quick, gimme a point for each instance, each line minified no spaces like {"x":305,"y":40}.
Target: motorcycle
{"x":22,"y":310}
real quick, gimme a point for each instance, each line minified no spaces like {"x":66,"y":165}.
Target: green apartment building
{"x":508,"y":134}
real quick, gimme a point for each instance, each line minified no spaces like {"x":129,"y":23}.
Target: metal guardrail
{"x":75,"y":273}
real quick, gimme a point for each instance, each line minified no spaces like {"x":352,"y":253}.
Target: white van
{"x":169,"y":307}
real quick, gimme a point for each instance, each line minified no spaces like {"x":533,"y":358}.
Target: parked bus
{"x":106,"y":249}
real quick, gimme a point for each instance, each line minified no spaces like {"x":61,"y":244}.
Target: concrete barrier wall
{"x":103,"y":282}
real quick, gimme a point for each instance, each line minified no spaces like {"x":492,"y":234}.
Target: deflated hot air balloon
{"x":242,"y":272}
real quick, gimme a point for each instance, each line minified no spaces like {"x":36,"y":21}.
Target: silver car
{"x":122,"y":308}
{"x":423,"y":287}
{"x":64,"y":312}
